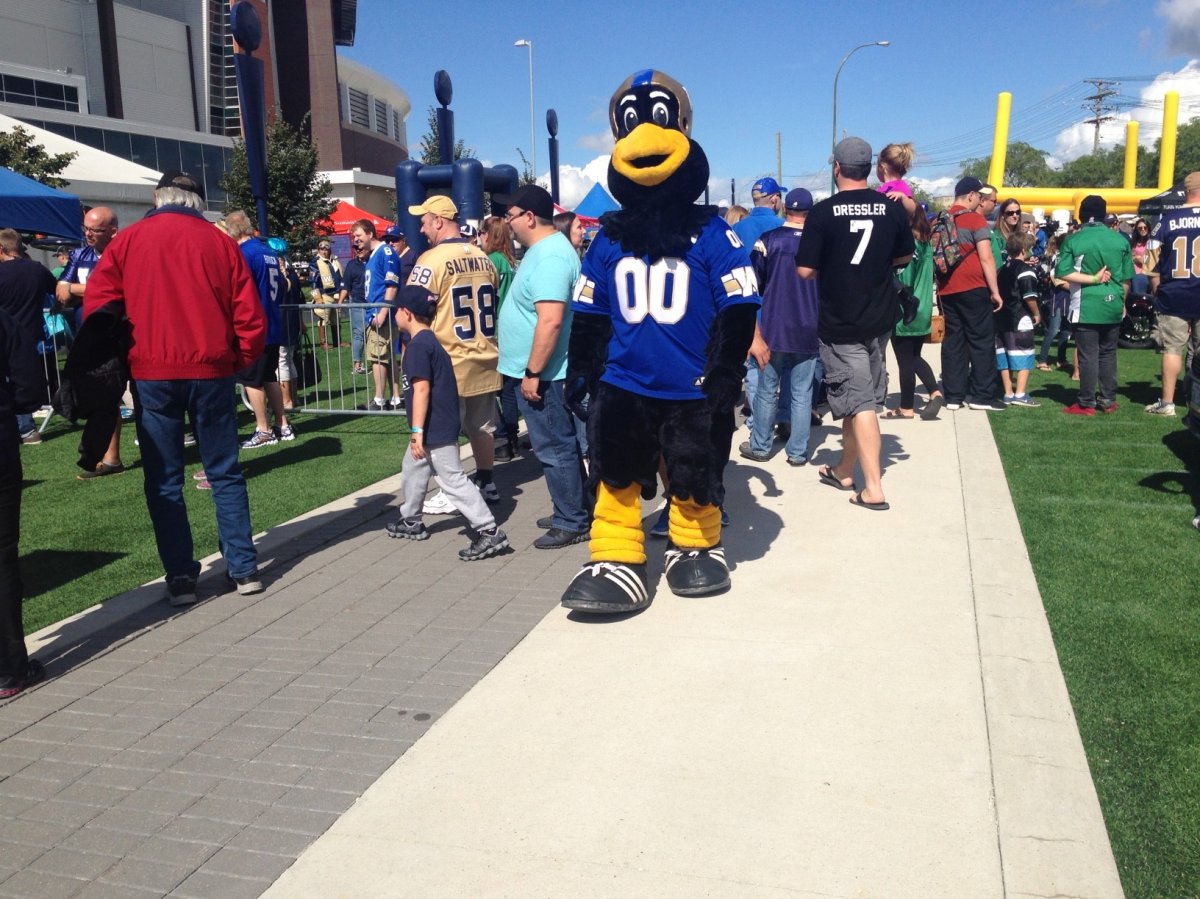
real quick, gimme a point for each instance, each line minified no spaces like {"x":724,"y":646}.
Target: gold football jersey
{"x":464,"y":281}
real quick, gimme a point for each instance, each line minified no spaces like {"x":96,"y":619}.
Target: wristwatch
{"x":533,"y":374}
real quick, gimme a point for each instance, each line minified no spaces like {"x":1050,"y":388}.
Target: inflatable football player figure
{"x":664,"y":313}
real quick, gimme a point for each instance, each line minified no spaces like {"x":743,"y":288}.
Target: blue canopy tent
{"x":595,"y":203}
{"x":35,"y":208}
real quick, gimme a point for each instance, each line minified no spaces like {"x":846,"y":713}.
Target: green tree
{"x":429,"y":142}
{"x":296,"y":196}
{"x":1103,"y":169}
{"x":1187,"y":153}
{"x":527,"y":176}
{"x":19,"y":152}
{"x":1024,"y":166}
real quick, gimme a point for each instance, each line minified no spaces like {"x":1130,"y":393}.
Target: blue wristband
{"x":416,"y":430}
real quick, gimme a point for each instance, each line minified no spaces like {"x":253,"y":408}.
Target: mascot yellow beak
{"x":649,"y":155}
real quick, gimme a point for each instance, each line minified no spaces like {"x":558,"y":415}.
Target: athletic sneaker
{"x":1024,"y":399}
{"x":953,"y":407}
{"x":1076,"y":409}
{"x":285,"y":433}
{"x":1161,"y":407}
{"x":488,"y":543}
{"x":181,"y":590}
{"x":438,"y":504}
{"x":659,"y":529}
{"x":33,"y":438}
{"x":13,"y":684}
{"x":189,"y":439}
{"x":396,"y":402}
{"x":413,"y":529}
{"x":489,"y":491}
{"x":1008,"y":398}
{"x":260,"y":438}
{"x":993,"y":406}
{"x":245,"y":586}
{"x":1109,"y":409}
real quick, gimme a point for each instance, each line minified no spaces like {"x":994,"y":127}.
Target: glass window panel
{"x":93,"y":137}
{"x":48,"y":90}
{"x":141,"y":147}
{"x":71,"y":95}
{"x":15,"y":85}
{"x":168,"y":154}
{"x":117,"y":143}
{"x":60,"y":128}
{"x":191,"y":159}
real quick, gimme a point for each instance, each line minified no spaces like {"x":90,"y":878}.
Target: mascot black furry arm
{"x":664,"y":314}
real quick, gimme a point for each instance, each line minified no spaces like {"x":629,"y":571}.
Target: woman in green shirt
{"x":497,"y":239}
{"x":908,"y":339}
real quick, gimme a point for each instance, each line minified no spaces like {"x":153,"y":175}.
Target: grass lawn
{"x":1105,"y":506}
{"x":85,"y":541}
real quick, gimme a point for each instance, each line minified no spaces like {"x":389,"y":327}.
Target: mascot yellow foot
{"x":614,"y":581}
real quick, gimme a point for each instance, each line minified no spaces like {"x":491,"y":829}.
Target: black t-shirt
{"x":353,"y":280}
{"x":425,"y":360}
{"x":24,"y":285}
{"x":1017,"y":282}
{"x":851,"y":240}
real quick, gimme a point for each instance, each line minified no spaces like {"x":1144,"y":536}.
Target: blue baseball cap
{"x":798,"y":200}
{"x":392,"y":233}
{"x":766,"y":187}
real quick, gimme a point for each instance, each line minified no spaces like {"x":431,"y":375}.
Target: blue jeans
{"x":210,"y":407}
{"x":552,"y":432}
{"x":800,"y":372}
{"x":25,"y":424}
{"x":1053,"y":331}
{"x":783,"y":411}
{"x":358,"y":327}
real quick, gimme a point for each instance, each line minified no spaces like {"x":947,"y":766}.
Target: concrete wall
{"x":156,"y":84}
{"x":54,"y":35}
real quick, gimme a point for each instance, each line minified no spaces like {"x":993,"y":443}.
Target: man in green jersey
{"x":1098,"y":265}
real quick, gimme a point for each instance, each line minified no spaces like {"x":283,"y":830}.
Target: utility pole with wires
{"x":1099,"y":109}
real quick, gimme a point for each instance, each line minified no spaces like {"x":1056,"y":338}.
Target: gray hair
{"x":238,"y":225}
{"x":177,"y":196}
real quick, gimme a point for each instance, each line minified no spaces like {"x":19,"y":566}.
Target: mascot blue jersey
{"x":662,"y":312}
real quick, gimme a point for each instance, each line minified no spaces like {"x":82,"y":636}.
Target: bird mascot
{"x":664,"y":313}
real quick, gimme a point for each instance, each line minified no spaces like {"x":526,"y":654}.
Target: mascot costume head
{"x":664,"y":313}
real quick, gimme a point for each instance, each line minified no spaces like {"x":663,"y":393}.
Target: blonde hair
{"x":897,"y":158}
{"x":735,"y":214}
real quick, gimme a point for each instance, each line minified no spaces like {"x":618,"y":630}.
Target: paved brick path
{"x":197,"y":753}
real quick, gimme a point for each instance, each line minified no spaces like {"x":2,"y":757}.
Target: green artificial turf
{"x":1105,"y":506}
{"x":85,"y":541}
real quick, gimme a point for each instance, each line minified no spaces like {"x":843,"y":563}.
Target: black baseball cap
{"x":183,"y":181}
{"x":530,"y":198}
{"x":967,"y":185}
{"x":417,"y":300}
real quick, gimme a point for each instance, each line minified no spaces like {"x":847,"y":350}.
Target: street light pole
{"x":833,"y":141}
{"x":528,"y":44}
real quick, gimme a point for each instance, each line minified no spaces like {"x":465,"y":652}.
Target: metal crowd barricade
{"x":325,"y":378}
{"x":57,"y":334}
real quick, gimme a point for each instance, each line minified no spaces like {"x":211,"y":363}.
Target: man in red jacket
{"x":195,"y":319}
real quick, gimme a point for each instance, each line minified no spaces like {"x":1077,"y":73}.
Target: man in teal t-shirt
{"x":533,"y":332}
{"x":1097,"y":263}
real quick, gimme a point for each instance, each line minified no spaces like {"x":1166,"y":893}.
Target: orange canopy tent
{"x":345,"y":214}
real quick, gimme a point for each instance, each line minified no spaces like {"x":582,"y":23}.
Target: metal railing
{"x":327,"y":378}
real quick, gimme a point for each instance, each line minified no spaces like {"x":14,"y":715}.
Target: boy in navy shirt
{"x":431,"y":401}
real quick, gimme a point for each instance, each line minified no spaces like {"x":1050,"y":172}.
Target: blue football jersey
{"x":1178,"y":267}
{"x":383,"y":271}
{"x":268,"y":278}
{"x":662,"y":312}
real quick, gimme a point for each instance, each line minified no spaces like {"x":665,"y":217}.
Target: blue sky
{"x":751,"y":74}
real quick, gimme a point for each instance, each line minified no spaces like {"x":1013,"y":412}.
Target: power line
{"x":1100,"y":109}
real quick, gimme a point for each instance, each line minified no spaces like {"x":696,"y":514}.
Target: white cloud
{"x":1183,"y":25}
{"x":575,"y":182}
{"x":1076,"y":140}
{"x":600,"y":142}
{"x":936,"y":187}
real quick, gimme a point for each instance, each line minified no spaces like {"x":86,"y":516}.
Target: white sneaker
{"x":1161,"y":408}
{"x":438,"y":504}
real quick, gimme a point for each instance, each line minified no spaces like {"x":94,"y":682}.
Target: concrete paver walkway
{"x":875,"y":709}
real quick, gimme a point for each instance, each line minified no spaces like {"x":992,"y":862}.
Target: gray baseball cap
{"x":852,"y":151}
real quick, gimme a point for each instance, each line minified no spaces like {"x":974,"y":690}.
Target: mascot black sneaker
{"x":696,"y":572}
{"x":608,"y":588}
